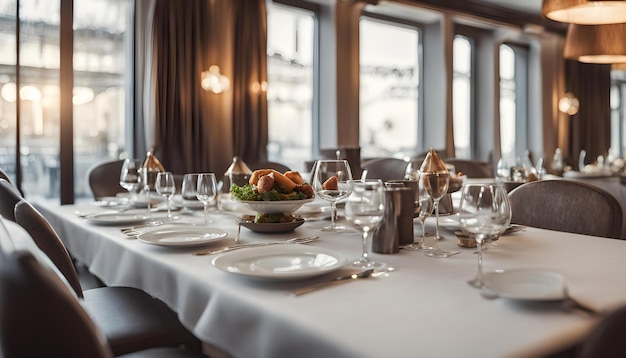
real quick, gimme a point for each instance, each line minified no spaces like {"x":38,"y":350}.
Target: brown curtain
{"x":198,"y":130}
{"x":250,"y":82}
{"x":590,"y":128}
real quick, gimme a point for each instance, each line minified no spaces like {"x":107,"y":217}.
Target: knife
{"x":347,"y":278}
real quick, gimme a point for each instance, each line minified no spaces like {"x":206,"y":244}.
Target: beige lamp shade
{"x":585,"y":12}
{"x":605,"y":44}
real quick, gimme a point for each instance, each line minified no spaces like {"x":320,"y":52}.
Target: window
{"x":462,"y":95}
{"x":389,"y":80}
{"x":291,"y":63}
{"x":101,"y":61}
{"x":618,"y":134}
{"x":513,"y":102}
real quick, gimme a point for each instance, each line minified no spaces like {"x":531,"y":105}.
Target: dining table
{"x":423,"y":306}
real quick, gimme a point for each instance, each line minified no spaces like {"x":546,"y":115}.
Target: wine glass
{"x":206,"y":191}
{"x":365,"y":209}
{"x":165,"y":186}
{"x":483,"y":214}
{"x":331,"y":182}
{"x":436,"y":184}
{"x":423,"y":210}
{"x":130,"y":177}
{"x":148,"y":179}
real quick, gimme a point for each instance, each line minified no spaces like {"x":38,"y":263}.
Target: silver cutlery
{"x":341,"y":279}
{"x":295,"y":240}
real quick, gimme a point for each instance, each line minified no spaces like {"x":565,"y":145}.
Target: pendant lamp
{"x":585,"y":12}
{"x":604,"y":44}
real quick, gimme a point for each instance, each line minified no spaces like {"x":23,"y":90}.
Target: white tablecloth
{"x":424,"y":308}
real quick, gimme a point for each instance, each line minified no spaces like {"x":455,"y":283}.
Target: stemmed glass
{"x":166,"y":187}
{"x":436,"y":184}
{"x":365,"y":209}
{"x":206,"y":191}
{"x":130,"y":177}
{"x":423,"y":210}
{"x":331,"y":182}
{"x":483,"y":213}
{"x":148,"y":179}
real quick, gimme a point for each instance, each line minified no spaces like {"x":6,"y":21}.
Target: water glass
{"x":166,"y":187}
{"x":206,"y":190}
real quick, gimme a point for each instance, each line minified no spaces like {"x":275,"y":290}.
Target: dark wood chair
{"x":606,"y":339}
{"x":104,"y":178}
{"x":472,"y":168}
{"x":9,"y":196}
{"x":569,"y":206}
{"x":384,"y":168}
{"x":131,"y":319}
{"x":270,"y":165}
{"x":40,"y":317}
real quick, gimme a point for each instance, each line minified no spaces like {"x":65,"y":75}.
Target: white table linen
{"x":424,"y":308}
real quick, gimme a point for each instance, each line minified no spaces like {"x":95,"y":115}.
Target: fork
{"x":295,"y":240}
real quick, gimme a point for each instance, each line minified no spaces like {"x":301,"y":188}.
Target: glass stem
{"x":169,"y":213}
{"x":479,"y":275}
{"x":365,"y":250}
{"x":206,"y":214}
{"x":422,"y":243}
{"x":436,"y":203}
{"x":333,"y":213}
{"x":148,"y":202}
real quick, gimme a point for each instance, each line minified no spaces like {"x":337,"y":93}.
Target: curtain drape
{"x":197,"y":130}
{"x":590,"y":128}
{"x":250,"y":126}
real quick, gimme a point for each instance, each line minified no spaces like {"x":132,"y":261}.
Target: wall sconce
{"x":585,"y":12}
{"x":604,"y":44}
{"x":569,"y":104}
{"x":213,"y":81}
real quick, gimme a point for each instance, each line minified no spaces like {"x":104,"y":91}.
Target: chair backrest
{"x":472,"y":168}
{"x":385,"y":168}
{"x":565,"y":205}
{"x":9,"y":196}
{"x":606,"y":340}
{"x":48,"y":241}
{"x":4,"y":175}
{"x":104,"y":178}
{"x":39,"y":316}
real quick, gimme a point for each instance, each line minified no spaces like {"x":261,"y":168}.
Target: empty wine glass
{"x":166,"y":187}
{"x":436,"y":184}
{"x":331,"y":182}
{"x":130,"y":177}
{"x":423,"y":210}
{"x":483,"y":213}
{"x":206,"y":191}
{"x":148,"y":179}
{"x":189,"y":190}
{"x":365,"y":209}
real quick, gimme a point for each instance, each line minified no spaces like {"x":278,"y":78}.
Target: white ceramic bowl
{"x":275,"y":207}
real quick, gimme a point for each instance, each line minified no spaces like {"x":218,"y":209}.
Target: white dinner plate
{"x":182,"y":236}
{"x":117,"y":218}
{"x":280,"y":262}
{"x":526,"y":284}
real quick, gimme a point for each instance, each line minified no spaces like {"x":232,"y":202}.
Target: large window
{"x":513,"y":102}
{"x":462,"y":95}
{"x":101,"y":73}
{"x":389,"y":80}
{"x":291,"y":89}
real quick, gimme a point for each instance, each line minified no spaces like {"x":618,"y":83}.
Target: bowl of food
{"x":271,"y":192}
{"x":271,"y":223}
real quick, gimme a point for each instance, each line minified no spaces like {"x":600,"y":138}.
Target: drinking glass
{"x":483,"y":213}
{"x":326,"y":173}
{"x":130,"y":177}
{"x":436,"y":184}
{"x":365,"y":209}
{"x":165,"y":186}
{"x":206,"y":191}
{"x":423,"y":210}
{"x":148,"y":179}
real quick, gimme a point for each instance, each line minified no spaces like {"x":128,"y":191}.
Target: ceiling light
{"x":605,"y":44}
{"x":585,"y":12}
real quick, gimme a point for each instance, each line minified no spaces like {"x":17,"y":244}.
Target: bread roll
{"x":295,"y":177}
{"x":257,"y":174}
{"x":283,"y":181}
